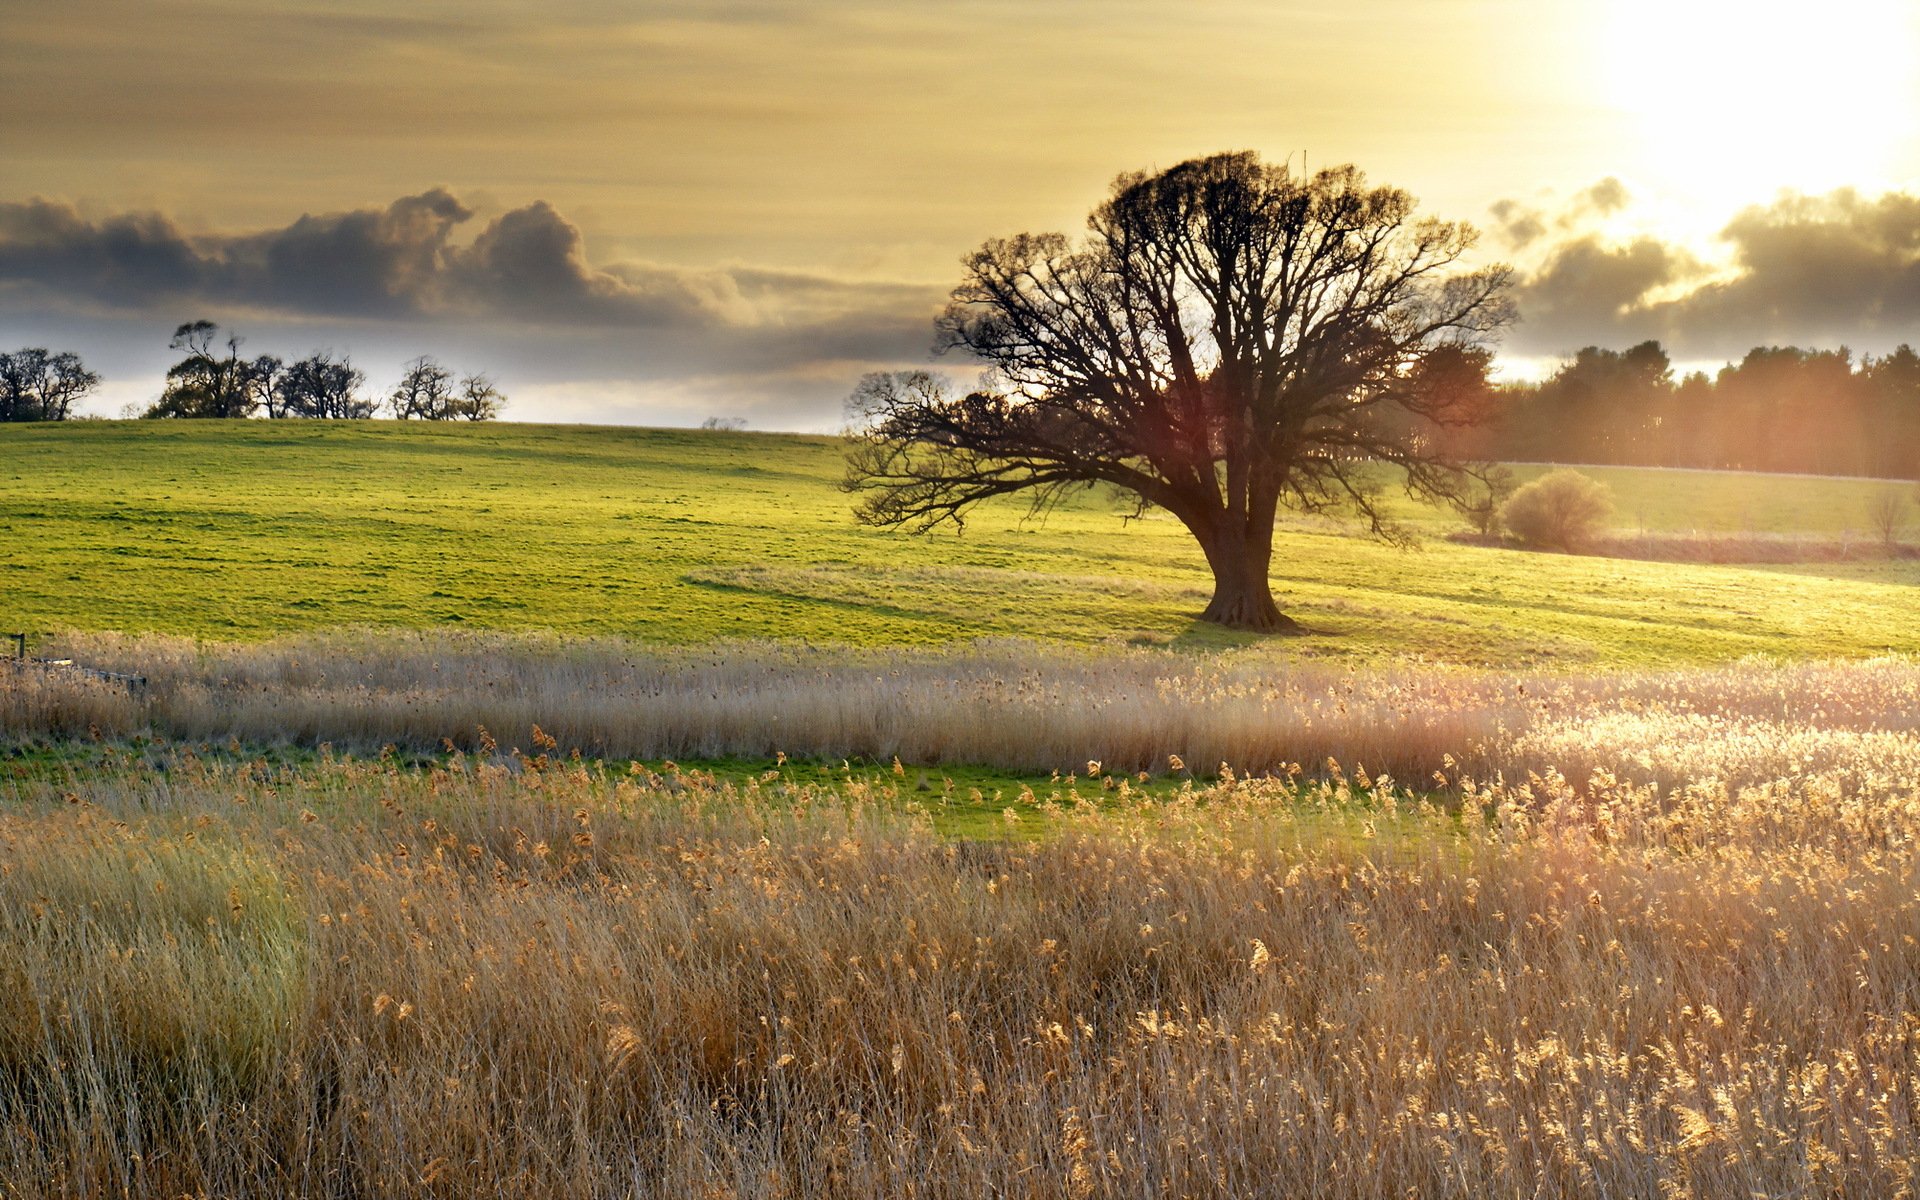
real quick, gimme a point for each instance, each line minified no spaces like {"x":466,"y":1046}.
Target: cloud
{"x":1841,"y":268}
{"x":1826,"y":269}
{"x":1603,"y":199}
{"x":515,"y":294}
{"x":404,"y":260}
{"x":49,"y":248}
{"x":367,"y":262}
{"x":1587,"y":289}
{"x":364,"y":263}
{"x":1519,"y":225}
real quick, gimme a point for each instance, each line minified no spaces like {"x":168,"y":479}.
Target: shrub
{"x":1562,"y":510}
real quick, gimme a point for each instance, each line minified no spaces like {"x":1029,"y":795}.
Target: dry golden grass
{"x":1008,"y":705}
{"x":535,"y":977}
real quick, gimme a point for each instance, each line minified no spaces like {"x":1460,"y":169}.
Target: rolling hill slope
{"x":245,"y":530}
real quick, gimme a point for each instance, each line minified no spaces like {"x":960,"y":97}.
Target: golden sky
{"x":757,"y":199}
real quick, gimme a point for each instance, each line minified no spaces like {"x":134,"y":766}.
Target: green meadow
{"x":242,"y":531}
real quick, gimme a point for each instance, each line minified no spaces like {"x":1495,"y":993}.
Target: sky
{"x":661,"y":212}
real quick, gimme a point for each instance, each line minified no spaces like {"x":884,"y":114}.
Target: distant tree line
{"x":38,"y":385}
{"x":1777,"y":409}
{"x":213,"y":379}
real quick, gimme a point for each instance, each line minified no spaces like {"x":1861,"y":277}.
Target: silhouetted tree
{"x":1602,"y":406}
{"x":36,"y":385}
{"x":478,"y":399}
{"x":1893,"y":382}
{"x":320,"y":386}
{"x":208,"y":384}
{"x":1696,"y":439}
{"x":1782,"y":408}
{"x":427,"y":392}
{"x":1228,"y":337}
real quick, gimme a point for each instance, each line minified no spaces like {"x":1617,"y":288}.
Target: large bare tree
{"x":1228,"y":337}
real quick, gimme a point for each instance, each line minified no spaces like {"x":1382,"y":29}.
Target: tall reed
{"x":539,"y":976}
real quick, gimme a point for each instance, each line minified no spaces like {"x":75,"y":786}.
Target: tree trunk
{"x":1242,"y":595}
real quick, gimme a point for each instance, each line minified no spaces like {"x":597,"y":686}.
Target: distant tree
{"x":36,"y":385}
{"x":1228,"y":337}
{"x":1694,"y":437}
{"x":1600,"y":406}
{"x":322,"y":387}
{"x":724,"y":424}
{"x":1893,"y":382}
{"x":1561,"y":510}
{"x":1779,"y":408}
{"x":1782,"y":408}
{"x":478,"y":399}
{"x":427,"y":392}
{"x":209,"y":384}
{"x":1887,"y":515}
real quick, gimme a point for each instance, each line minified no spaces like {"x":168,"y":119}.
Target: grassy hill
{"x":245,"y":530}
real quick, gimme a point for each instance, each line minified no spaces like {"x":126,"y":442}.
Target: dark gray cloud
{"x":404,"y":260}
{"x":1588,"y":289}
{"x":1810,"y":270}
{"x":1827,"y":268}
{"x":518,"y":296}
{"x":50,"y":249}
{"x":368,"y":262}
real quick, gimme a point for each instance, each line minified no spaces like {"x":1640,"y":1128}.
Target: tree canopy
{"x":1228,"y":337}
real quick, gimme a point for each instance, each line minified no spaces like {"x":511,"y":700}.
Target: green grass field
{"x":245,"y":530}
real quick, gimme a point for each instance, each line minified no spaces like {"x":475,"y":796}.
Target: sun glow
{"x":1733,"y":102}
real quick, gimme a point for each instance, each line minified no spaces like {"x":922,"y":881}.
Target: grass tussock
{"x":539,"y":976}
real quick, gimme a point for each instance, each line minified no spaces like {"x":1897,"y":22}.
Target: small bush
{"x":1561,"y":510}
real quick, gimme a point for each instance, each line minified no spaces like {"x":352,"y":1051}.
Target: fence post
{"x":19,"y":645}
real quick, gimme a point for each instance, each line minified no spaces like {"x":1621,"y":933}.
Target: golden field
{"x":1641,"y":934}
